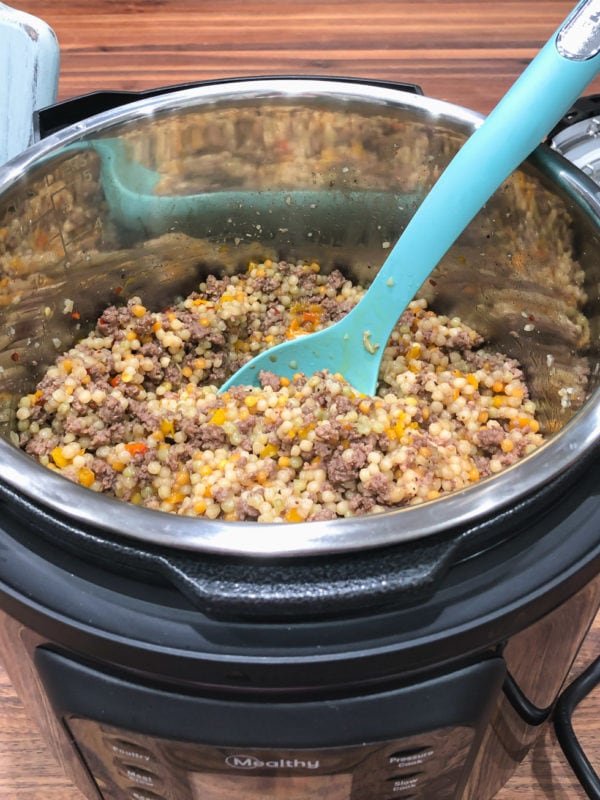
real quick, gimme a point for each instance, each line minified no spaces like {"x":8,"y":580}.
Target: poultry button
{"x":129,"y":751}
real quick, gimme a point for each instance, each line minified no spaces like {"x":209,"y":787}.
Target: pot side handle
{"x":29,"y":65}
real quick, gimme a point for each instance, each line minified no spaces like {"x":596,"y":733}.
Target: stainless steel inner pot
{"x":149,"y":198}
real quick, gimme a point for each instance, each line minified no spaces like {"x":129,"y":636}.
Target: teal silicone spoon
{"x":521,"y":120}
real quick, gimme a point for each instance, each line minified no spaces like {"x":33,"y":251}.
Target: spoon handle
{"x":520,"y":121}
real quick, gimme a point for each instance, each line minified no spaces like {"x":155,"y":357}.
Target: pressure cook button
{"x":129,"y":751}
{"x":413,"y":757}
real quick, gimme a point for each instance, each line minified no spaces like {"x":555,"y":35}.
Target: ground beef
{"x":106,"y":436}
{"x":342,"y":467}
{"x":113,"y":321}
{"x":105,"y":474}
{"x":246,"y":511}
{"x":361,"y":504}
{"x":37,"y":446}
{"x":323,"y":514}
{"x":269,"y":379}
{"x":378,"y":488}
{"x":112,"y":410}
{"x":490,"y":438}
{"x":142,"y":414}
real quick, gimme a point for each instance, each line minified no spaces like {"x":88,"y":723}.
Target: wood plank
{"x":465,"y":52}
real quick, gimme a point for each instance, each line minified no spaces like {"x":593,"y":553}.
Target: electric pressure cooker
{"x":412,"y":654}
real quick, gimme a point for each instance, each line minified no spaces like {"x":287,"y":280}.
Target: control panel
{"x":126,"y":765}
{"x":415,"y":741}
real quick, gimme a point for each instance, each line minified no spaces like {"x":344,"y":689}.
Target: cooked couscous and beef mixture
{"x":133,"y":408}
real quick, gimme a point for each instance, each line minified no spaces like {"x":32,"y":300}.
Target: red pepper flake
{"x":118,"y":290}
{"x":115,"y":381}
{"x":76,"y":315}
{"x":15,"y":356}
{"x":432,"y":282}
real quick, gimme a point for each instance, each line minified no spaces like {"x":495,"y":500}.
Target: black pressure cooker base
{"x":267,"y":588}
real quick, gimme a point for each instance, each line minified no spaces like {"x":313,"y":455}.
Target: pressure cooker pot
{"x":147,"y":200}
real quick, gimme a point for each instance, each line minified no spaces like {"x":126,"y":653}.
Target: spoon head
{"x":342,"y":349}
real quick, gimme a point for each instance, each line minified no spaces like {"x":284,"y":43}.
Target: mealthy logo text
{"x":251,"y":762}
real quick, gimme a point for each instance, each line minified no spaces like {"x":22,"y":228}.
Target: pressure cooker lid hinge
{"x":577,"y":135}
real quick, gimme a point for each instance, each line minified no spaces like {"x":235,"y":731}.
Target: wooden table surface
{"x":465,"y":52}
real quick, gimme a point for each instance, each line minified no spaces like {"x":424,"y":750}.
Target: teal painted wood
{"x":29,"y":65}
{"x":521,"y":120}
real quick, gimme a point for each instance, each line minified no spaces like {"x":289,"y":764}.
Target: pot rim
{"x":578,"y":438}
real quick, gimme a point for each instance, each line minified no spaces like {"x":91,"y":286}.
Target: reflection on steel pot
{"x":149,"y":199}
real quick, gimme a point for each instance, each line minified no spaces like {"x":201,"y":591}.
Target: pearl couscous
{"x":133,"y":409}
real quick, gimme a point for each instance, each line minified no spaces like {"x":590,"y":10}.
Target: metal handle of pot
{"x":310,"y":589}
{"x":29,"y":59}
{"x":275,"y":589}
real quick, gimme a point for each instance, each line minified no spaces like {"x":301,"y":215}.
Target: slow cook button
{"x":139,"y":775}
{"x":129,"y":751}
{"x":404,"y":783}
{"x":403,"y":797}
{"x":144,"y":794}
